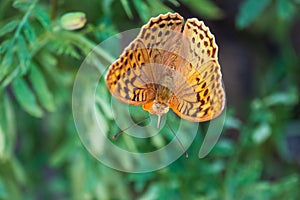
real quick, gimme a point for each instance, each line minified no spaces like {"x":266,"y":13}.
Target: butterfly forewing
{"x":131,"y":78}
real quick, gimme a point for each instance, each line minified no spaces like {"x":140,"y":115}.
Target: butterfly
{"x":169,"y":65}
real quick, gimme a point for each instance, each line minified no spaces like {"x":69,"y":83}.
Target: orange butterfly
{"x":167,"y":67}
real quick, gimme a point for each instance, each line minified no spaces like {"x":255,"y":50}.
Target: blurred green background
{"x":257,"y":156}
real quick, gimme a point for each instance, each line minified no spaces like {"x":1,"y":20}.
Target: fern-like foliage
{"x":31,"y":44}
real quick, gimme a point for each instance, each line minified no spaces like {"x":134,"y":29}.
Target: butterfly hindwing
{"x":131,"y":78}
{"x":200,"y":97}
{"x":124,"y":79}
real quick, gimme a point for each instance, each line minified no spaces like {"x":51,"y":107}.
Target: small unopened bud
{"x":73,"y":20}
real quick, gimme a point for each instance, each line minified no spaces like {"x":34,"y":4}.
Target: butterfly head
{"x":159,"y":109}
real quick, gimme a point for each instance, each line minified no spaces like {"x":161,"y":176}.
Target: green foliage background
{"x":41,"y":156}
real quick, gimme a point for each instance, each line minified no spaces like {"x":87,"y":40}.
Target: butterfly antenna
{"x":181,"y":145}
{"x":132,"y":125}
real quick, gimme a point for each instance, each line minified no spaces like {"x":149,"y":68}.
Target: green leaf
{"x":261,"y":133}
{"x":9,"y":27}
{"x":7,"y":60}
{"x":4,"y":46}
{"x":142,"y":9}
{"x":3,"y":190}
{"x":60,"y":155}
{"x":18,"y":171}
{"x":157,"y":7}
{"x":288,"y":186}
{"x":40,"y":86}
{"x":106,"y":6}
{"x":127,"y":9}
{"x":26,"y":98}
{"x":7,"y":126}
{"x":47,"y":57}
{"x":22,"y":4}
{"x":174,"y":2}
{"x":204,"y":8}
{"x":23,"y":54}
{"x":232,"y":122}
{"x":285,"y":9}
{"x":289,"y":97}
{"x":250,"y":10}
{"x":104,"y":106}
{"x":2,"y":143}
{"x":43,"y":18}
{"x":10,"y":124}
{"x":10,"y":77}
{"x":69,"y":49}
{"x":249,"y":173}
{"x":65,"y":46}
{"x":152,"y":192}
{"x":223,"y":148}
{"x":29,"y":32}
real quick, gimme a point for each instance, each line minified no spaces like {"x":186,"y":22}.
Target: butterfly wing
{"x":132,"y":78}
{"x":158,"y":33}
{"x":199,"y":91}
{"x":124,"y":79}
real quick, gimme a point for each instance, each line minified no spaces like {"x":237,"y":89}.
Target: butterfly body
{"x":170,"y":67}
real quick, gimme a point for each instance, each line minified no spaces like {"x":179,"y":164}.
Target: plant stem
{"x":53,"y":9}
